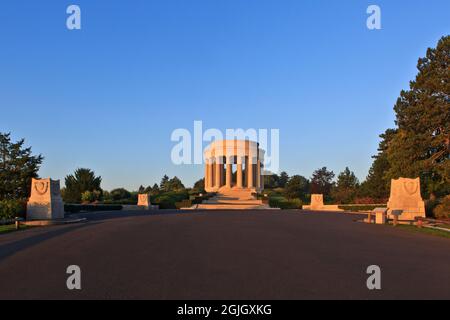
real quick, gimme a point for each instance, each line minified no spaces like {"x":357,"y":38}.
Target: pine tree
{"x":322,"y":181}
{"x":164,"y":185}
{"x":376,"y":185}
{"x":297,"y":187}
{"x":17,"y":167}
{"x":421,"y":146}
{"x":283,"y":179}
{"x":346,"y":187}
{"x":81,"y":181}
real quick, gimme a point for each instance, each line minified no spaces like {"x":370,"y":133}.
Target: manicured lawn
{"x":433,"y":232}
{"x":10,"y":228}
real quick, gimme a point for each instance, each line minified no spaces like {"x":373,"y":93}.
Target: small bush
{"x":168,"y":200}
{"x":91,"y":196}
{"x":9,"y":209}
{"x":369,"y":200}
{"x":285,"y":204}
{"x":75,"y":208}
{"x":183,"y":204}
{"x":120,"y":202}
{"x":442,"y":210}
{"x":363,"y":207}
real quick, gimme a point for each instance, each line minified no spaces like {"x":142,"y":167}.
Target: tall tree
{"x":422,"y":144}
{"x":175,"y":184}
{"x":120,"y":194}
{"x":346,"y":187}
{"x":283,"y":179}
{"x":17,"y":167}
{"x":322,"y":181}
{"x":81,"y":181}
{"x":297,"y":187}
{"x":271,"y":181}
{"x":153,"y":190}
{"x":199,"y":186}
{"x":376,"y":185}
{"x":164,"y":184}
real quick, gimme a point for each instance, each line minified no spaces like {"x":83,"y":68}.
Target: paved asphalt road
{"x":223,"y":255}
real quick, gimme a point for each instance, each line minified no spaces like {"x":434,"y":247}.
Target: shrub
{"x":284,"y":204}
{"x":363,"y":207}
{"x":442,"y":210}
{"x":168,"y":200}
{"x":183,"y":204}
{"x":91,"y":196}
{"x":75,"y":208}
{"x":120,"y":194}
{"x":369,"y":200}
{"x":9,"y":209}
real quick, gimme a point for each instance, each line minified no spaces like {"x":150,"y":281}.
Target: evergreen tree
{"x":271,"y":181}
{"x":17,"y":167}
{"x":120,"y":194}
{"x":346,"y":187}
{"x":154,"y":190}
{"x":175,"y":184}
{"x":297,"y":187}
{"x":376,"y":185}
{"x":421,"y":146}
{"x":199,"y":186}
{"x":164,"y":185}
{"x":322,"y":181}
{"x":81,"y":181}
{"x":283,"y":179}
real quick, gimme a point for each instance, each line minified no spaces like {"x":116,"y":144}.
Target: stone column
{"x":229,"y":172}
{"x":211,"y":173}
{"x":239,"y":173}
{"x":258,"y":174}
{"x":218,"y":173}
{"x":246,"y":171}
{"x":262,"y":177}
{"x":206,"y":174}
{"x":250,"y":173}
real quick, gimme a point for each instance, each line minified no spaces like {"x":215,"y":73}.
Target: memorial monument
{"x":45,"y":202}
{"x":316,"y":202}
{"x":144,"y":200}
{"x":405,"y":196}
{"x":245,"y":155}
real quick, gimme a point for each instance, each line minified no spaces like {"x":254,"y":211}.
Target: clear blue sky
{"x":109,"y":96}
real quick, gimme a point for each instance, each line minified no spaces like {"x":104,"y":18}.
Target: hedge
{"x":285,"y":204}
{"x":363,"y":207}
{"x":183,"y":204}
{"x":9,"y":209}
{"x":75,"y":208}
{"x":168,"y":200}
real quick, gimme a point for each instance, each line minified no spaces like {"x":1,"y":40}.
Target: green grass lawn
{"x":11,"y":228}
{"x":433,"y":232}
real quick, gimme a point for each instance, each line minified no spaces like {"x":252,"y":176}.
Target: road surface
{"x":223,"y":255}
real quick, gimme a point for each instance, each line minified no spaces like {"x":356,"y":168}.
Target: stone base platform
{"x":232,"y":199}
{"x":333,"y":208}
{"x":37,"y":223}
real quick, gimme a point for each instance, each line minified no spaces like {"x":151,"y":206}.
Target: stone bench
{"x":380,"y":215}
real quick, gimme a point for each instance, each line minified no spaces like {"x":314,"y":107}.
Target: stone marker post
{"x":45,"y":202}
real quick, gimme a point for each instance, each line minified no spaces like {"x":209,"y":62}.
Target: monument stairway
{"x":233,"y":199}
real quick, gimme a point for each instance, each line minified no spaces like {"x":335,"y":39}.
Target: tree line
{"x":419,"y":146}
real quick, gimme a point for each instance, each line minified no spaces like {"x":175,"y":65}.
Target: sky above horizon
{"x":108,"y":96}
